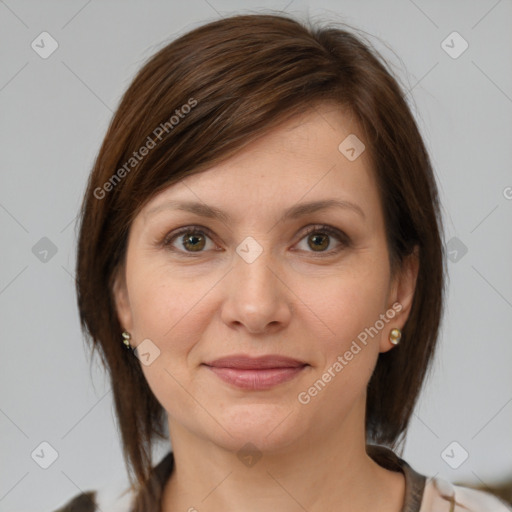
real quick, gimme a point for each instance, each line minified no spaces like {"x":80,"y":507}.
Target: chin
{"x":268,"y":427}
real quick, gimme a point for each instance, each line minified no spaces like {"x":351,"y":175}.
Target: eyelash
{"x":342,"y":238}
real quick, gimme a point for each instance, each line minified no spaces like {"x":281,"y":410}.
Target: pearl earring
{"x":394,"y":336}
{"x":126,"y":339}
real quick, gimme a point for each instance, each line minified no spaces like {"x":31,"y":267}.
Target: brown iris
{"x":193,"y":238}
{"x":317,"y":243}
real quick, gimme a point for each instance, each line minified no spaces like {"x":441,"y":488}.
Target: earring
{"x":394,"y":336}
{"x":126,"y":339}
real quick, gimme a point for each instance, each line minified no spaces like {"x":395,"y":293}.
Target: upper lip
{"x":244,"y":362}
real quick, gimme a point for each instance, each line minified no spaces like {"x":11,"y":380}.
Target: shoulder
{"x":116,"y":497}
{"x":433,"y":494}
{"x":440,"y":495}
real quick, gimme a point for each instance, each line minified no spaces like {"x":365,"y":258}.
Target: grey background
{"x":54,"y":113}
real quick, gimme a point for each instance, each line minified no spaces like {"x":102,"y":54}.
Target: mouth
{"x":258,"y":373}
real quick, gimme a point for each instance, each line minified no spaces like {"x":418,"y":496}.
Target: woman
{"x":260,"y":267}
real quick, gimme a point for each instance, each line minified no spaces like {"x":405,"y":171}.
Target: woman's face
{"x":252,"y":280}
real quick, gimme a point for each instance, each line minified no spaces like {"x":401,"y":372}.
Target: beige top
{"x":431,"y":494}
{"x":422,"y":494}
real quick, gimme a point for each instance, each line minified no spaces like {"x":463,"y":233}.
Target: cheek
{"x":174,"y":314}
{"x":162,"y":305}
{"x":172,"y":317}
{"x":348,"y":346}
{"x":349,"y":306}
{"x":346,"y":303}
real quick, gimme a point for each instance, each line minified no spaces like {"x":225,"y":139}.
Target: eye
{"x":318,"y":237}
{"x":191,"y":238}
{"x":194,"y":239}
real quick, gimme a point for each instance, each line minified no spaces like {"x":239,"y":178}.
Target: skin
{"x":294,"y":299}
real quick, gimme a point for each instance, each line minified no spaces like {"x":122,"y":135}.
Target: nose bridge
{"x":253,"y":261}
{"x":257,"y":296}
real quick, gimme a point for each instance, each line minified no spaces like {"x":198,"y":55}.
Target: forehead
{"x":303,"y":159}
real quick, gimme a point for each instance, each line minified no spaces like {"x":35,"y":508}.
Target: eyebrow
{"x":294,"y":212}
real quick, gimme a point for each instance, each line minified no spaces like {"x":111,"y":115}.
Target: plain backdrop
{"x":54,"y":113}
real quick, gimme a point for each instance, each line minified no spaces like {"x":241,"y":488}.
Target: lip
{"x":244,"y":362}
{"x":256,"y":373}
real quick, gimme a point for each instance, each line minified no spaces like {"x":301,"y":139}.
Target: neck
{"x":322,"y":472}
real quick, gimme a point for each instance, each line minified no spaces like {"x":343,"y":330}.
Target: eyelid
{"x":170,"y":237}
{"x":343,"y":239}
{"x":328,"y":230}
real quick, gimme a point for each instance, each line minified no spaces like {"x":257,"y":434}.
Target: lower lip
{"x":256,"y":379}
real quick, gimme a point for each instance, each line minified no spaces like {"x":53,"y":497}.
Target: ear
{"x":121,"y":300}
{"x":401,"y":296}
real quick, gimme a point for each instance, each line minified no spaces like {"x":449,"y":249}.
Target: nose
{"x":257,"y":297}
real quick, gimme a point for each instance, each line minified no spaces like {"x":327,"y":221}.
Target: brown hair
{"x":240,"y":76}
